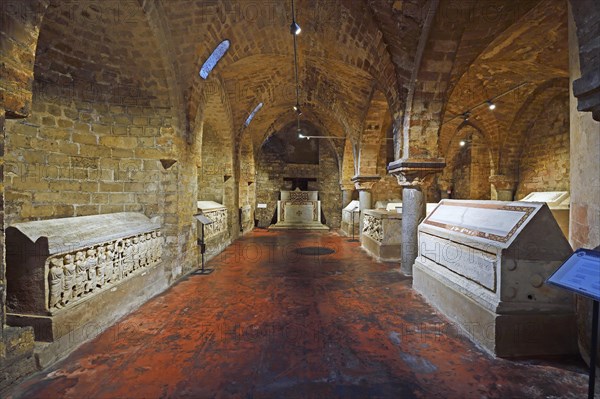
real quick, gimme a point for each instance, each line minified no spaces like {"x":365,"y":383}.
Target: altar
{"x":299,"y":210}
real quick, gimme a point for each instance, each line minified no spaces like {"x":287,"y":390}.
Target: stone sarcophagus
{"x":64,"y":273}
{"x":246,"y":219}
{"x":382,"y":234}
{"x":351,"y":219}
{"x":559,"y":204}
{"x":216,"y":234}
{"x":484,"y":265}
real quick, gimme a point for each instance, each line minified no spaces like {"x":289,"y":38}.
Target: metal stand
{"x":594,"y":351}
{"x":203,"y":220}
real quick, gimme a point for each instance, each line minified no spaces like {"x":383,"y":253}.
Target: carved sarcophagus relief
{"x":382,"y":234}
{"x":55,"y":265}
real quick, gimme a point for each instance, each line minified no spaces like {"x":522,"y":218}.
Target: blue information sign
{"x":580,"y":273}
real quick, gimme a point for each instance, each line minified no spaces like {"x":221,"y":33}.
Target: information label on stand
{"x":580,"y":274}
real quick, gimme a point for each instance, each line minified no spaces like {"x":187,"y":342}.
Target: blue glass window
{"x":258,"y":107}
{"x":212,"y":60}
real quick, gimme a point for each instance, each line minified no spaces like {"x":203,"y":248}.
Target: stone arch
{"x":469,"y":166}
{"x":523,"y":120}
{"x":103,"y":134}
{"x":219,"y":163}
{"x":543,"y":162}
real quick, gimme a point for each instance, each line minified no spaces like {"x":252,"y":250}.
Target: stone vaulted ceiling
{"x":346,"y":50}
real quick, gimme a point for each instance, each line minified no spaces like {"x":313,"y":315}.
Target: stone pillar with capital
{"x":412,"y":175}
{"x":502,"y":187}
{"x":364,"y":184}
{"x":347,"y":190}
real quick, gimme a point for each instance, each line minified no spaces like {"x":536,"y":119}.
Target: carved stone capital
{"x":364,"y":183}
{"x":502,"y":182}
{"x":413,"y":172}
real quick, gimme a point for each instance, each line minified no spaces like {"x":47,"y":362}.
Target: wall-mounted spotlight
{"x":491,"y":105}
{"x":466,"y":115}
{"x":298,"y":110}
{"x":295,"y":28}
{"x":462,"y":143}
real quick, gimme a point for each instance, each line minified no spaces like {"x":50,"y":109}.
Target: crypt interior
{"x":309,"y":198}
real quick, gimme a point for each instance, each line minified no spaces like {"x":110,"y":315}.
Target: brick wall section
{"x":387,"y":188}
{"x":480,"y":169}
{"x":20,"y":22}
{"x":544,"y":164}
{"x":215,"y":165}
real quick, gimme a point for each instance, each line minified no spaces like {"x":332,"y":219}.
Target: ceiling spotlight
{"x":462,"y":143}
{"x":491,"y":105}
{"x":295,"y":28}
{"x":466,"y":115}
{"x":298,"y":110}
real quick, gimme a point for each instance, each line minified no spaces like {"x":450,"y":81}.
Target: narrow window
{"x":212,"y":60}
{"x":258,"y":107}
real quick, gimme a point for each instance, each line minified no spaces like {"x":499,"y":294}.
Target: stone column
{"x":411,"y":174}
{"x":347,"y":190}
{"x":364,"y":184}
{"x":502,"y":187}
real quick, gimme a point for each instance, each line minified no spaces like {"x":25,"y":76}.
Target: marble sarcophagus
{"x":382,"y":234}
{"x":484,"y":265}
{"x":351,"y":219}
{"x":80,"y":272}
{"x":216,"y":234}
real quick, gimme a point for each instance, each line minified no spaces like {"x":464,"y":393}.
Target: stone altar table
{"x":299,"y":210}
{"x":484,"y":263}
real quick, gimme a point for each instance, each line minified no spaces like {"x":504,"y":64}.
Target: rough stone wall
{"x":462,"y":174}
{"x":216,"y":164}
{"x":544,"y":164}
{"x":584,"y":229}
{"x":271,"y":171}
{"x":86,"y":159}
{"x":480,"y":169}
{"x":387,"y":188}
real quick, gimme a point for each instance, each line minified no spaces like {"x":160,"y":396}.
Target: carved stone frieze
{"x":75,"y":275}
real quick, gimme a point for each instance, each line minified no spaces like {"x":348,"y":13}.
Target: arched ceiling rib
{"x":345,"y":49}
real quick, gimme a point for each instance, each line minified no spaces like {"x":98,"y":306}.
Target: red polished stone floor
{"x":272,"y":323}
